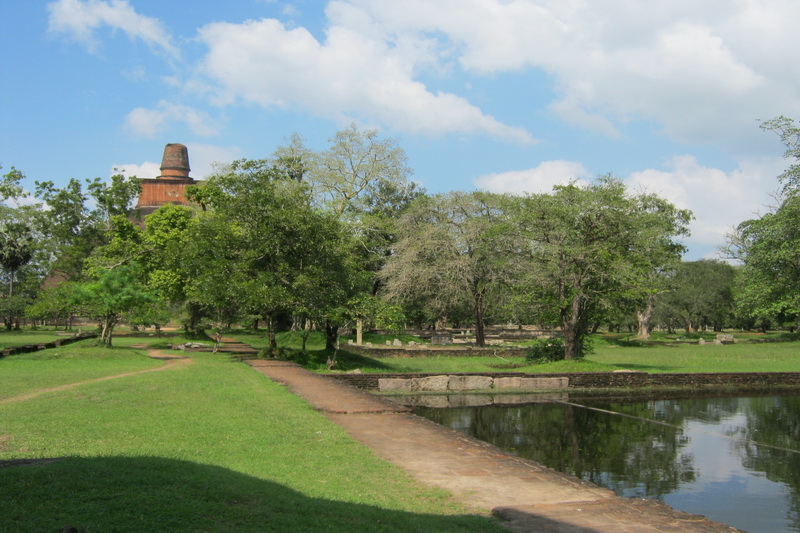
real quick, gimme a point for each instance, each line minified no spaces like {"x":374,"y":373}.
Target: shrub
{"x":545,"y":351}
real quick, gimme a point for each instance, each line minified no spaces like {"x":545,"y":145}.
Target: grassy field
{"x":208,"y":445}
{"x":610,"y":352}
{"x":27,"y":336}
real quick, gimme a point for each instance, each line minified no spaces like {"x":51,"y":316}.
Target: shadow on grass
{"x":643,"y":368}
{"x":158,"y":494}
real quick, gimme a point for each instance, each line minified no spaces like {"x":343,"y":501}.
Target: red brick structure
{"x":170,"y":186}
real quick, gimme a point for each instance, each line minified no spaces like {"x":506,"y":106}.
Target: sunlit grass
{"x":206,"y":446}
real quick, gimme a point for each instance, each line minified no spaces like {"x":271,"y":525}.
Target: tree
{"x":769,"y":246}
{"x":353,"y":169}
{"x":700,"y":295}
{"x":790,"y":136}
{"x":277,"y":251}
{"x":72,"y":227}
{"x":115,"y":292}
{"x":584,"y":247}
{"x":452,"y":249}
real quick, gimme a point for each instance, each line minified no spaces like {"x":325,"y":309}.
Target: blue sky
{"x":508,"y":96}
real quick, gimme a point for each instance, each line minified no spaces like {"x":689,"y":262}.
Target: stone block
{"x":431,"y":383}
{"x":397,"y":342}
{"x":507,"y":383}
{"x":462,"y":383}
{"x":544,"y":383}
{"x":394,"y":384}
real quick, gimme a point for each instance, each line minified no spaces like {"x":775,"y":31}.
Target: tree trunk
{"x":645,"y":316}
{"x":480,"y":339}
{"x":273,"y":343}
{"x":571,"y":325}
{"x":106,"y":329}
{"x":359,"y":332}
{"x":331,"y":335}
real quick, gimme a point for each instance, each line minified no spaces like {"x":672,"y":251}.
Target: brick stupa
{"x":170,"y":186}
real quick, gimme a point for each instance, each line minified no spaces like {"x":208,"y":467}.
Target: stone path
{"x":527,"y":496}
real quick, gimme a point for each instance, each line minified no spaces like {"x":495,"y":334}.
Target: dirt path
{"x":527,"y":495}
{"x":170,"y":359}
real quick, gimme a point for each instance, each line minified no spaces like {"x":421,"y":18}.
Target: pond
{"x":735,"y":460}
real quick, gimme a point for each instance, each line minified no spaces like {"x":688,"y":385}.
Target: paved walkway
{"x":526,"y":495}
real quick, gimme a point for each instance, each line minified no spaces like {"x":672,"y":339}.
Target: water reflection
{"x":735,"y":460}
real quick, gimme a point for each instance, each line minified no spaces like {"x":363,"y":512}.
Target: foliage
{"x":454,"y":250}
{"x":72,"y":228}
{"x":790,"y":136}
{"x":114,"y":293}
{"x":700,"y":295}
{"x":545,"y":351}
{"x":768,"y":287}
{"x":586,"y":248}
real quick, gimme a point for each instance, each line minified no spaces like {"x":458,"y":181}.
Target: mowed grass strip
{"x":609,"y":354}
{"x":23,"y":337}
{"x":25,"y":373}
{"x":208,"y":446}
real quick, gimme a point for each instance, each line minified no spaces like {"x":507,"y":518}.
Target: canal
{"x":733,"y":459}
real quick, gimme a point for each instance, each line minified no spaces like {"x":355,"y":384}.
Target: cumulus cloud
{"x":540,"y":179}
{"x":146,"y":170}
{"x":720,"y":200}
{"x":204,"y":158}
{"x":150,"y":123}
{"x":80,"y":19}
{"x":352,"y":75}
{"x":702,"y":70}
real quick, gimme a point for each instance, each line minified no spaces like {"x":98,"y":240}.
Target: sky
{"x":500,"y":95}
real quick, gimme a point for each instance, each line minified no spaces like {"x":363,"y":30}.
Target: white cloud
{"x":146,"y":170}
{"x":720,"y":200}
{"x":204,"y":157}
{"x":150,"y":123}
{"x":705,"y":70}
{"x":540,"y":179}
{"x":352,"y":75}
{"x":80,"y":19}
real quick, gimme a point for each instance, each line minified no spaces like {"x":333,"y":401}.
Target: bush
{"x":285,"y":354}
{"x":545,"y":351}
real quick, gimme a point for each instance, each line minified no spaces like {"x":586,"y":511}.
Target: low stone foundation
{"x":27,"y":348}
{"x":586,"y":380}
{"x":461,"y":383}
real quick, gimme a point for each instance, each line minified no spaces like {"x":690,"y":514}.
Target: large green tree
{"x":700,"y":295}
{"x":113,"y":293}
{"x":454,"y":249}
{"x":272,"y":251}
{"x":769,"y":247}
{"x":583,"y":248}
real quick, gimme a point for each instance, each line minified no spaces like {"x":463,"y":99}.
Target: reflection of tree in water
{"x":631,"y":456}
{"x":774,"y":423}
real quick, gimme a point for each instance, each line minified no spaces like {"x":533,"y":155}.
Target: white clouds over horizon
{"x":718,"y":199}
{"x":702,"y":71}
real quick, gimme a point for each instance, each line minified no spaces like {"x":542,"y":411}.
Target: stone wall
{"x":426,"y":350}
{"x":27,"y":348}
{"x":588,"y":380}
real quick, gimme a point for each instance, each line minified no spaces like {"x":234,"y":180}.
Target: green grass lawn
{"x":206,"y":446}
{"x":27,"y":336}
{"x":666,"y":353}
